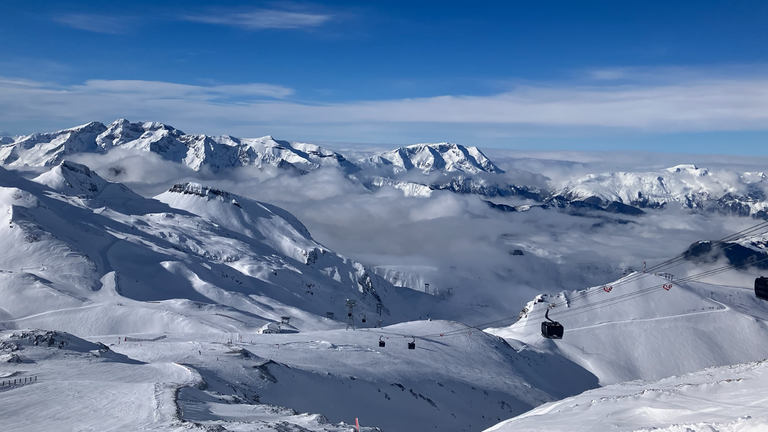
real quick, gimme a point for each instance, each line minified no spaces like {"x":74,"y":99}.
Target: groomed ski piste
{"x":120,"y":312}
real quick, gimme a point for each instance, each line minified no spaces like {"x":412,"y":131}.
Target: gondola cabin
{"x":761,"y":288}
{"x":552,"y":330}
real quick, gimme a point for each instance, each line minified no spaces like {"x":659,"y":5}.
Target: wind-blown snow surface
{"x":721,"y":399}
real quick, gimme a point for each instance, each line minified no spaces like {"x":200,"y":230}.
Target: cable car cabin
{"x":382,"y":344}
{"x":412,"y":345}
{"x":761,"y":288}
{"x":552,"y":330}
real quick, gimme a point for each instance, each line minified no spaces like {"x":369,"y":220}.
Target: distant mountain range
{"x":417,"y":170}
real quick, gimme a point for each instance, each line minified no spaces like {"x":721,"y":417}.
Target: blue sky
{"x":684,"y":76}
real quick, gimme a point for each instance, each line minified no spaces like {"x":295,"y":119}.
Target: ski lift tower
{"x":350,"y":317}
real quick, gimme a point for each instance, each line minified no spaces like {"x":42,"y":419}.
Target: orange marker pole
{"x":357,"y":425}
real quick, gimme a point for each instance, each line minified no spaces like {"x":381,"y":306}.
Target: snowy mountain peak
{"x":73,"y":179}
{"x":152,"y":137}
{"x":48,"y":149}
{"x":428,"y":158}
{"x":689,"y":169}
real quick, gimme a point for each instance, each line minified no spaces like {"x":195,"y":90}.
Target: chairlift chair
{"x":412,"y":345}
{"x":761,"y":288}
{"x":551,"y":329}
{"x":382,"y":344}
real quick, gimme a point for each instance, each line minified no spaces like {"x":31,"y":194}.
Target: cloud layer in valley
{"x":448,"y":240}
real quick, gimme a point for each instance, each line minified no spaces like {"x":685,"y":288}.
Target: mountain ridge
{"x":416,"y":170}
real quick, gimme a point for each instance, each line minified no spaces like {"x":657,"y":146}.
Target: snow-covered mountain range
{"x":738,"y":193}
{"x":443,"y":167}
{"x":195,"y":151}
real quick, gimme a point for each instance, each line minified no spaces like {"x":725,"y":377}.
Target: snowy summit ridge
{"x":688,"y":186}
{"x":195,"y":151}
{"x":446,"y":157}
{"x":443,"y":167}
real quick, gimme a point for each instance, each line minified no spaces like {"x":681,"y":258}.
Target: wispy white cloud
{"x":608,"y":74}
{"x":97,"y":23}
{"x":251,"y":19}
{"x":722,"y":104}
{"x":262,"y":19}
{"x":153,"y":90}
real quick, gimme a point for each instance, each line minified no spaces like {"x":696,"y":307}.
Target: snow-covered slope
{"x":725,"y":399}
{"x":207,"y":381}
{"x":638,"y":329}
{"x":96,"y":388}
{"x":85,"y":249}
{"x":445,"y":157}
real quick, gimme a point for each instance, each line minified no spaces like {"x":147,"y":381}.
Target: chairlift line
{"x":669,"y":263}
{"x":613,"y":300}
{"x":624,"y":297}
